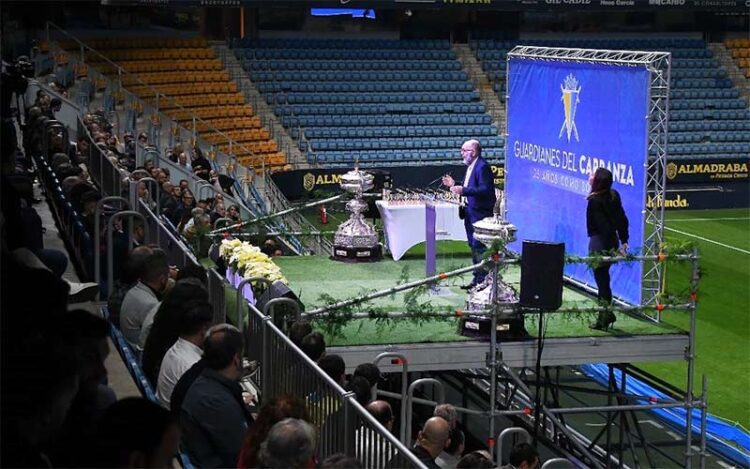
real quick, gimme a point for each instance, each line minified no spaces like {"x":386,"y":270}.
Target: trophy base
{"x":349,"y":254}
{"x":479,"y":327}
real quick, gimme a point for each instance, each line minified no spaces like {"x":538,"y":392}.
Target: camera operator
{"x":14,"y":82}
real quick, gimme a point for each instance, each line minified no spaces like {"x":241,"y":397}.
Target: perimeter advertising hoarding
{"x":564,"y":120}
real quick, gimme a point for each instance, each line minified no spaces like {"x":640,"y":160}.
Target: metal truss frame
{"x":658,"y":65}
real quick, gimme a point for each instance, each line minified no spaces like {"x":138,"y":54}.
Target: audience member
{"x":372,"y":455}
{"x":313,"y":345}
{"x":361,"y":389}
{"x":167,"y":321}
{"x":448,"y":412}
{"x":214,"y":417}
{"x":144,"y":297}
{"x":277,"y":409}
{"x":298,"y":330}
{"x":334,"y":366}
{"x":523,"y":456}
{"x":130,"y":272}
{"x":135,"y":432}
{"x":290,"y":444}
{"x":432,"y":440}
{"x":340,"y":461}
{"x":450,"y":456}
{"x":371,"y":373}
{"x":187,"y":350}
{"x":476,"y":460}
{"x":89,"y":335}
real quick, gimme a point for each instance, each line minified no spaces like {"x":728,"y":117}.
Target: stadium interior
{"x":180,"y":282}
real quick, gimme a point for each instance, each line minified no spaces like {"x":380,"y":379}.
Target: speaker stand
{"x":538,"y":371}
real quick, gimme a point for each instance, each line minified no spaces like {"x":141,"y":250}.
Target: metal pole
{"x":404,"y":387}
{"x":690,"y":356}
{"x":265,"y":359}
{"x":97,"y":236}
{"x":110,"y":249}
{"x":492,"y":361}
{"x":278,"y":214}
{"x":396,"y":289}
{"x":410,"y":396}
{"x":704,"y":416}
{"x":463,"y":410}
{"x":552,"y":417}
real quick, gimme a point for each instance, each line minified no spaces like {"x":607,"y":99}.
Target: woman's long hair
{"x":276,"y":410}
{"x":165,"y":330}
{"x":602,"y":183}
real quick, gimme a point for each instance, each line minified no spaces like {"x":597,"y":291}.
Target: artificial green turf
{"x":310,"y":277}
{"x":723,"y":315}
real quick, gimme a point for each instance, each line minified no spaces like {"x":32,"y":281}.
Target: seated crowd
{"x":57,"y":407}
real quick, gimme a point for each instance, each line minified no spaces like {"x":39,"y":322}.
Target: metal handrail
{"x":404,"y":386}
{"x":110,"y":248}
{"x":97,"y":235}
{"x":157,"y":93}
{"x":503,"y":435}
{"x":410,"y":397}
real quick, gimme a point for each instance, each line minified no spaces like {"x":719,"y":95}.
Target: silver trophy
{"x":355,"y":239}
{"x":486,"y":231}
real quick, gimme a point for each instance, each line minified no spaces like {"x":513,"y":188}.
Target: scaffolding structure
{"x":658,"y":64}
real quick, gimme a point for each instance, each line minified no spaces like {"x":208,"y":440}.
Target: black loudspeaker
{"x":277,"y":290}
{"x":542,"y":275}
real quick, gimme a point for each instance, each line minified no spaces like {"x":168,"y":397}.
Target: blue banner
{"x":564,"y":121}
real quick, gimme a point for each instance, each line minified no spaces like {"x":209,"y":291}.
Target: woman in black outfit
{"x":607,"y":227}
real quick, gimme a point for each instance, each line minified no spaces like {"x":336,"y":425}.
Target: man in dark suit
{"x":478,"y":191}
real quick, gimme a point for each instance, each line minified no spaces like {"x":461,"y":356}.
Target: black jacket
{"x":606,"y":218}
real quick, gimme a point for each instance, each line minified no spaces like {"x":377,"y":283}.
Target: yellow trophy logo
{"x":570,"y":91}
{"x":308,"y":181}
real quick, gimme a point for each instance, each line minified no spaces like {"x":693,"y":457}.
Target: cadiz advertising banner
{"x":565,"y":120}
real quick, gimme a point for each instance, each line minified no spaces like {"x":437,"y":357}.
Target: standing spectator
{"x":188,"y":349}
{"x":214,"y":417}
{"x":144,"y":297}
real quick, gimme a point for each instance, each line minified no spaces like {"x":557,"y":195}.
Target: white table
{"x":405,"y":225}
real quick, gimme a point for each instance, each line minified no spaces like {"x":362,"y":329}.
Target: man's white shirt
{"x":178,"y":359}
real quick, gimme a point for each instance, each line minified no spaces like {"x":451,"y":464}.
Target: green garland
{"x":334,"y":321}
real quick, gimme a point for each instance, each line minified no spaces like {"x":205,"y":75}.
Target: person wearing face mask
{"x":478,"y":191}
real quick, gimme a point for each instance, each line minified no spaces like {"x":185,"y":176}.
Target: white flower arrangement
{"x":248,"y":261}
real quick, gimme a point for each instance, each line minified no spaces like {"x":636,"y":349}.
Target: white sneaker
{"x":81,"y":292}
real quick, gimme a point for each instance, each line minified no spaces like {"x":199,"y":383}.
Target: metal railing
{"x":344,"y":426}
{"x":179,"y":133}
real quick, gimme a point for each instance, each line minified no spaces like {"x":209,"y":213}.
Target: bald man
{"x":431,"y":441}
{"x":478,"y":190}
{"x":372,"y":453}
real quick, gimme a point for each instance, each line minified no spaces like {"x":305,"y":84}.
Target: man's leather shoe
{"x":468,"y":286}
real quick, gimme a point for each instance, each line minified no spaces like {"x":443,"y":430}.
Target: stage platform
{"x":436,"y":345}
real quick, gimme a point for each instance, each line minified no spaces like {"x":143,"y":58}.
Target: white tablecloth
{"x":405,"y":225}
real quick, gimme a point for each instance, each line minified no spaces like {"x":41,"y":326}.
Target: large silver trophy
{"x":355,"y":239}
{"x":485,"y":296}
